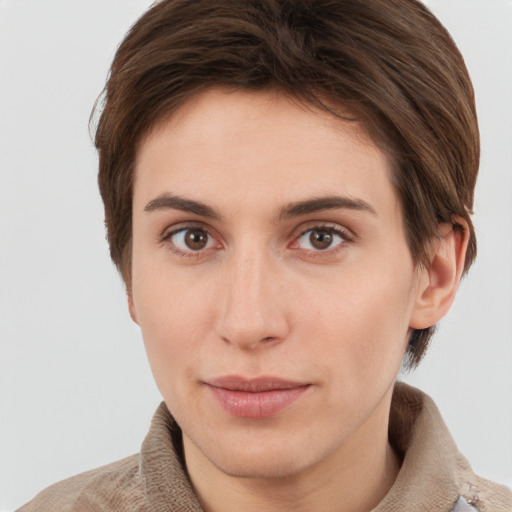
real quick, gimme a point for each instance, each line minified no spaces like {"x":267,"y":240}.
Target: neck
{"x":355,"y":478}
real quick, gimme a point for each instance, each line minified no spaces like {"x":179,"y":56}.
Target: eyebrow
{"x":169,"y":201}
{"x":320,"y":204}
{"x":295,"y":209}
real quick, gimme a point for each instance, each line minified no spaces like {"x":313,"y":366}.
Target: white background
{"x":76,"y":390}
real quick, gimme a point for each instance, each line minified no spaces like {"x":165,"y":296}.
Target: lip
{"x":255,"y":398}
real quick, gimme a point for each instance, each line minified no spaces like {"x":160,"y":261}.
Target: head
{"x":389,"y":66}
{"x":287,"y":189}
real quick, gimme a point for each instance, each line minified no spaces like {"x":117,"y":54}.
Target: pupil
{"x":320,"y":239}
{"x":195,"y":240}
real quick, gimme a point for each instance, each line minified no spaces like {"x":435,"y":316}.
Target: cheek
{"x":175,"y":315}
{"x":361,"y":323}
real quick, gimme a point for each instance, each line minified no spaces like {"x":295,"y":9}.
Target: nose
{"x":252,"y":307}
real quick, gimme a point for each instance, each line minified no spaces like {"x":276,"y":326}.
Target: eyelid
{"x":343,"y":232}
{"x":170,"y":231}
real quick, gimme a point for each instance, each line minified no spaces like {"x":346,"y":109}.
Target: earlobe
{"x":439,"y":282}
{"x":131,"y":306}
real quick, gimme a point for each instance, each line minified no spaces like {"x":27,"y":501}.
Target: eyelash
{"x":166,"y":239}
{"x":334,"y":230}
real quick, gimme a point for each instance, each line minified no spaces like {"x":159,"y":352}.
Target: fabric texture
{"x":434,"y":476}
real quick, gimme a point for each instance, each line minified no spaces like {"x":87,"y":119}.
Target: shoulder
{"x":434,"y":474}
{"x":478,"y":494}
{"x":116,"y":486}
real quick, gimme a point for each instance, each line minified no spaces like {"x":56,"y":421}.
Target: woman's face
{"x":272,"y":281}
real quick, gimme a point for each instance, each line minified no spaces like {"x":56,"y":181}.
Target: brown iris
{"x":196,"y":239}
{"x":321,"y":238}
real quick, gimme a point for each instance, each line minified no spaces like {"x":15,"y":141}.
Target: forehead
{"x":261,"y":146}
{"x":241,"y":115}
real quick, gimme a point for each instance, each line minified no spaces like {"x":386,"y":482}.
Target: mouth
{"x":255,"y":398}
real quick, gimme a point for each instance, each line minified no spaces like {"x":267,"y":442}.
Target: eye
{"x":320,"y":239}
{"x":188,"y":240}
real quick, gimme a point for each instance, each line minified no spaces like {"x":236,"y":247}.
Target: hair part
{"x":388,"y":62}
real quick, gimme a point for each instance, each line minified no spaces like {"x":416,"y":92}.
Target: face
{"x":272,"y":281}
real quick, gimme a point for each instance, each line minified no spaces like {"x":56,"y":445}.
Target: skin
{"x":260,"y":299}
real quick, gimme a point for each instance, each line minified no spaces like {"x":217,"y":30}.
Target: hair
{"x":390,"y":63}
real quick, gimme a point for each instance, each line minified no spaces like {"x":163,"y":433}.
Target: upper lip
{"x":254,"y":385}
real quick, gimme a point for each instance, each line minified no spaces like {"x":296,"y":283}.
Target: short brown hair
{"x":389,"y":62}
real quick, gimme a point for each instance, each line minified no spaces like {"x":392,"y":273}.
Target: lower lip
{"x":262,"y":404}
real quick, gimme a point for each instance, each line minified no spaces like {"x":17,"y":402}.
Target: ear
{"x":438,"y":284}
{"x":131,"y":306}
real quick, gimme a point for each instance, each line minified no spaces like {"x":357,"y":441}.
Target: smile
{"x":255,"y":398}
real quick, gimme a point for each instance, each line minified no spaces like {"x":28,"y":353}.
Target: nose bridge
{"x":251,"y":312}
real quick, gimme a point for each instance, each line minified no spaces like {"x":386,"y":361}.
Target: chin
{"x":265,"y":455}
{"x":267,"y":466}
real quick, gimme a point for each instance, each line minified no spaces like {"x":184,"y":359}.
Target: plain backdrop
{"x":76,"y":389}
